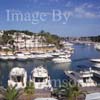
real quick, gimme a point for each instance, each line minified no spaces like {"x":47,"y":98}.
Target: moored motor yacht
{"x":18,"y":78}
{"x":3,"y":56}
{"x":40,"y":78}
{"x":41,"y":55}
{"x":28,"y":55}
{"x":83,"y":78}
{"x":20,"y":56}
{"x":65,"y":55}
{"x":96,"y":62}
{"x":11,"y":56}
{"x":61,"y":59}
{"x":96,"y":67}
{"x":97,"y":46}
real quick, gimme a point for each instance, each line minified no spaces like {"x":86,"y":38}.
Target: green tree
{"x":10,"y":93}
{"x":69,"y":91}
{"x":6,"y":37}
{"x":50,"y":38}
{"x":29,"y":90}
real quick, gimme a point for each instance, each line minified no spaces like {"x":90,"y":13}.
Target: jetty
{"x":82,"y":78}
{"x":72,"y":77}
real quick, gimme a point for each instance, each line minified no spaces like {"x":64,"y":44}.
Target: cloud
{"x":85,"y":11}
{"x":86,"y":5}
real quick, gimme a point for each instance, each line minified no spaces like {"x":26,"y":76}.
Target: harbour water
{"x":81,"y":56}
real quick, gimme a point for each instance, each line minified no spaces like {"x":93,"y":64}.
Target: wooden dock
{"x":72,"y":77}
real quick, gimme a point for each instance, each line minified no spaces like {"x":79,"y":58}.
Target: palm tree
{"x":69,"y":91}
{"x":10,"y":93}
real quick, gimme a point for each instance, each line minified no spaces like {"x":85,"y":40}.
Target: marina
{"x":49,"y":50}
{"x":43,"y":69}
{"x":78,"y":59}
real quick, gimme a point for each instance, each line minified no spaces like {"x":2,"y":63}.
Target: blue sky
{"x":62,"y":17}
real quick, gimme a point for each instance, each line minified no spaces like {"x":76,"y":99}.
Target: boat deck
{"x":42,"y":93}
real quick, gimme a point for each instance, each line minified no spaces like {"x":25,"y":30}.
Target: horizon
{"x":64,"y":18}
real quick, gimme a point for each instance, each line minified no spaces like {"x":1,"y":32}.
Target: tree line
{"x":49,"y":38}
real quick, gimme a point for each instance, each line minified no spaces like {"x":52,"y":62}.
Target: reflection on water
{"x":62,"y":66}
{"x":56,"y":71}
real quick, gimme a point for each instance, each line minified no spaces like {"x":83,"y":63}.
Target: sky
{"x":61,"y":17}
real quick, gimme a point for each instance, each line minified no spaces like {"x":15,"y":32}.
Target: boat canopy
{"x":17,"y":71}
{"x":40,"y":72}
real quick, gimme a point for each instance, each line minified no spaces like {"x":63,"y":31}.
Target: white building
{"x":26,"y":41}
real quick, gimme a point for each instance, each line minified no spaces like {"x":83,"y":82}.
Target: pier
{"x":37,"y":94}
{"x":68,"y":73}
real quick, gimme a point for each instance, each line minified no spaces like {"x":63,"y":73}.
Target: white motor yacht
{"x":96,"y":62}
{"x":11,"y":56}
{"x":82,"y":78}
{"x":18,"y":78}
{"x":40,"y":78}
{"x":4,"y":56}
{"x":65,"y":55}
{"x":97,"y":46}
{"x":42,"y":55}
{"x":69,"y":51}
{"x":96,"y":67}
{"x":56,"y":53}
{"x":86,"y":79}
{"x":28,"y":55}
{"x":20,"y":56}
{"x":68,"y":44}
{"x":61,"y":59}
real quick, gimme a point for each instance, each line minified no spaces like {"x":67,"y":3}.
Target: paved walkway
{"x":42,"y":93}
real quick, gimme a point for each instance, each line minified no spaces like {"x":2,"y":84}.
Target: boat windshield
{"x":39,"y":79}
{"x":17,"y":78}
